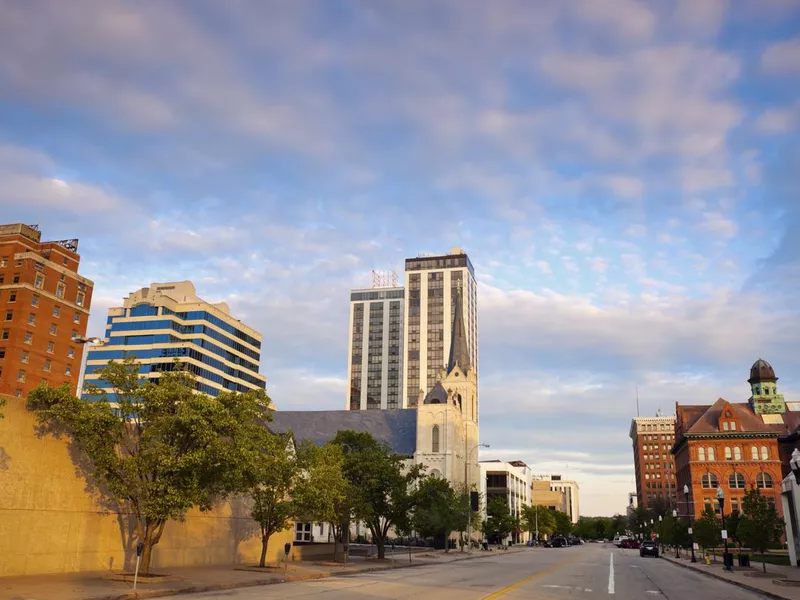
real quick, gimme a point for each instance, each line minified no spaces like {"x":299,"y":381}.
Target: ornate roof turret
{"x":762,"y":371}
{"x":459,"y":350}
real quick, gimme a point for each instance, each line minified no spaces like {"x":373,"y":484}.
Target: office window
{"x":79,"y":298}
{"x":76,"y":318}
{"x":2,"y":353}
{"x":60,"y":289}
{"x":18,"y":393}
{"x":4,"y":334}
{"x":35,"y":300}
{"x":38,"y":283}
{"x":15,"y":278}
{"x":53,"y":329}
{"x":68,"y":370}
{"x":24,"y":357}
{"x":21,"y":376}
{"x":50,"y":347}
{"x":9,"y":315}
{"x":70,"y":352}
{"x":47,"y":364}
{"x":32,"y":319}
{"x":12,"y":296}
{"x":28,"y":337}
{"x":4,"y":261}
{"x":56,"y":311}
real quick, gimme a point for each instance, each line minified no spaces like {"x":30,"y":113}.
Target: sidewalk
{"x":183,"y":580}
{"x":748,"y":578}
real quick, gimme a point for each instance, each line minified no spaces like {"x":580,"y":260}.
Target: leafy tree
{"x":760,"y":526}
{"x":167,"y":448}
{"x":707,"y":529}
{"x":379,"y":484}
{"x":269,"y":482}
{"x":732,"y":524}
{"x":438,"y":509}
{"x":2,"y":404}
{"x":500,"y":522}
{"x":601,"y":525}
{"x":563,"y":524}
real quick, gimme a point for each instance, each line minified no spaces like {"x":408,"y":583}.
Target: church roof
{"x":761,"y":371}
{"x":705,"y":419}
{"x":396,"y":428}
{"x":459,"y":351}
{"x":437,"y":395}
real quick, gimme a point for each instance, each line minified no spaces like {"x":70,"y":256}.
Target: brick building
{"x":734,"y":444}
{"x":44,"y":303}
{"x":653,"y":438}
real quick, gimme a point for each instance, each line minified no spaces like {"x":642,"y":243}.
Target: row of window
{"x":656,"y":427}
{"x":28,"y":339}
{"x":47,"y":368}
{"x":61,"y":287}
{"x":737,"y":481}
{"x":733,"y":453}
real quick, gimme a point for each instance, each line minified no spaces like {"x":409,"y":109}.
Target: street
{"x":589,"y":571}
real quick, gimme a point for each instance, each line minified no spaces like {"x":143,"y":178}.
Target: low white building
{"x":512,"y":481}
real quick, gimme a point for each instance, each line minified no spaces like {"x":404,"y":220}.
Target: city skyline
{"x":624,"y":179}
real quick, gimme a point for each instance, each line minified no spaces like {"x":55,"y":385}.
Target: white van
{"x":619,"y":539}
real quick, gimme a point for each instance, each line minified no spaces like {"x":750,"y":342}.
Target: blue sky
{"x":623,"y":174}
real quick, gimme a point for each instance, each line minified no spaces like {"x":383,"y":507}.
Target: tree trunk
{"x":152,"y":535}
{"x":264,"y":543}
{"x":381,"y":544}
{"x":763,"y":562}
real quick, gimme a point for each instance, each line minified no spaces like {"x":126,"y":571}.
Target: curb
{"x":740,"y":584}
{"x":216,"y":587}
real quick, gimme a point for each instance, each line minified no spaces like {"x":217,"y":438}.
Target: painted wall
{"x":49,"y":524}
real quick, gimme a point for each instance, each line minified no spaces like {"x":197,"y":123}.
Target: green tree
{"x":166,"y":449}
{"x":732,"y":523}
{"x":438,"y":509}
{"x":499,"y":522}
{"x":707,"y":529}
{"x":563,"y":524}
{"x":2,"y":404}
{"x":379,"y":484}
{"x":269,"y":482}
{"x":760,"y":526}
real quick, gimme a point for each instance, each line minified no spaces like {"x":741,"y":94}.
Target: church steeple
{"x":459,"y":350}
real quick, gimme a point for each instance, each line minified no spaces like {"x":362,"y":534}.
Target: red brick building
{"x":653,"y":438}
{"x":44,"y":303}
{"x":733,"y":445}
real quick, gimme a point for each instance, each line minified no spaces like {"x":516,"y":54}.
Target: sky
{"x":623,"y":175}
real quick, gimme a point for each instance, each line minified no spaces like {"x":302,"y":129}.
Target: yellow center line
{"x":518,"y":584}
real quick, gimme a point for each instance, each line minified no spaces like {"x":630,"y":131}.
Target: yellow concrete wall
{"x":49,"y":524}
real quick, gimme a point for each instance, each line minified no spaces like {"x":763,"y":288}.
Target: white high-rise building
{"x":433,"y":284}
{"x":375,"y":356}
{"x":570,"y":488}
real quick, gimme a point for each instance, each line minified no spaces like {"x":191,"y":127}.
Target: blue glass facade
{"x":182,"y":332}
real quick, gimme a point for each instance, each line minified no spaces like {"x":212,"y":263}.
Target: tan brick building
{"x":44,"y":303}
{"x":652,"y":439}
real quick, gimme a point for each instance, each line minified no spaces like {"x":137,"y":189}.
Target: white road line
{"x":611,"y":574}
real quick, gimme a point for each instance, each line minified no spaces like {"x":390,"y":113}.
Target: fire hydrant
{"x":707,"y":558}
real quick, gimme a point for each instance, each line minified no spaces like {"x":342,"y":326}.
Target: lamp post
{"x":660,"y":543}
{"x":469,"y":500}
{"x":90,"y":341}
{"x":674,"y":530}
{"x":721,"y":500}
{"x":689,"y":511}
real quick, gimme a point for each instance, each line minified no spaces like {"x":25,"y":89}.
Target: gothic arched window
{"x":701,"y":454}
{"x":737,"y":453}
{"x":710,"y":481}
{"x":728,"y":454}
{"x":736,"y":481}
{"x":711,"y":453}
{"x":435,"y":439}
{"x":764,"y":453}
{"x":764,"y":480}
{"x":754,"y":452}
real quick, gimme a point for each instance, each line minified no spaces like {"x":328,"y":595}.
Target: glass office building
{"x":167,"y":321}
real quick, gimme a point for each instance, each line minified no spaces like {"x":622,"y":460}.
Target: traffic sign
{"x":653,"y":535}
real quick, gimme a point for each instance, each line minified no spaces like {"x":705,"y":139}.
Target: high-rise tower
{"x":434,"y":284}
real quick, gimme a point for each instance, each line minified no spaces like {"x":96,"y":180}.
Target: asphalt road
{"x":585,"y":572}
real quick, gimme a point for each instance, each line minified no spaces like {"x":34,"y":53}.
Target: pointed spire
{"x":459,"y":351}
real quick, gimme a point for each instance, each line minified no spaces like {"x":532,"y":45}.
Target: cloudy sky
{"x":623,"y":174}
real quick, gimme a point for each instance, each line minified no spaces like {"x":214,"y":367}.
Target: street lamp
{"x":660,"y":519}
{"x":721,"y":500}
{"x":469,"y":499}
{"x":89,"y":341}
{"x":689,"y":511}
{"x":674,"y":530}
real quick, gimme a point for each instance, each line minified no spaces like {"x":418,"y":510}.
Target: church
{"x":441,"y":432}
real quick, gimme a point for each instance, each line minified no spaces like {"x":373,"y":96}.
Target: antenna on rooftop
{"x":382,"y":279}
{"x":637,"y":400}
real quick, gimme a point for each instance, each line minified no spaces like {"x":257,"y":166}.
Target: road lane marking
{"x":518,"y":584}
{"x":611,"y":575}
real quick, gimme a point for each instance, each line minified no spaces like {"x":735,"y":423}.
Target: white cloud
{"x":569,"y":264}
{"x":705,"y":17}
{"x":696,"y":178}
{"x":778,"y":120}
{"x":624,"y":186}
{"x":718,"y":224}
{"x":636,"y":230}
{"x":597,"y":264}
{"x":782,"y":58}
{"x":544,"y":267}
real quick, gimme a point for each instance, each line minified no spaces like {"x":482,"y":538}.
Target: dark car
{"x":650,"y":548}
{"x":560,"y":542}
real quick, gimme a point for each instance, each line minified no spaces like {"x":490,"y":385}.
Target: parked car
{"x":560,"y":542}
{"x":619,"y":539}
{"x":648,"y":547}
{"x":634,"y":544}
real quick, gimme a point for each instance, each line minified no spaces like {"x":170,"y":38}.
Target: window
{"x":32,"y":319}
{"x":47,"y":365}
{"x":302,"y":532}
{"x":735,"y":505}
{"x":764,"y":453}
{"x":53,"y":329}
{"x":4,"y":335}
{"x":38,"y":283}
{"x":435,"y":439}
{"x":79,"y":299}
{"x":70,"y":352}
{"x":754,"y":452}
{"x":711,"y":453}
{"x":56,"y":311}
{"x":18,"y":393}
{"x":50,"y":347}
{"x":725,"y":426}
{"x":9,"y":315}
{"x":28,"y":337}
{"x":12,"y":296}
{"x":728,"y":453}
{"x":24,"y":357}
{"x":736,"y":481}
{"x":710,"y":481}
{"x":2,"y":353}
{"x":35,"y":300}
{"x":733,"y":425}
{"x":21,"y":376}
{"x":15,"y":278}
{"x":764,"y":480}
{"x":701,"y":454}
{"x":737,"y":453}
{"x":76,"y":318}
{"x":4,"y":261}
{"x":68,"y":370}
{"x":60,"y":288}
